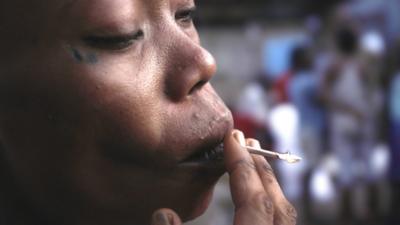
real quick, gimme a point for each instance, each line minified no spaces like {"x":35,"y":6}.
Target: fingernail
{"x":239,"y":136}
{"x":161,"y":219}
{"x":254,"y":143}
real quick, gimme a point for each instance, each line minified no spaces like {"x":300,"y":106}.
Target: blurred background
{"x":320,"y":79}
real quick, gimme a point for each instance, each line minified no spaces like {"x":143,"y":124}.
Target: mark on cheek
{"x":90,"y":58}
{"x":77,"y":55}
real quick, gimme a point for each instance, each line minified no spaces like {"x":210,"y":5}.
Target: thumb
{"x":165,"y":217}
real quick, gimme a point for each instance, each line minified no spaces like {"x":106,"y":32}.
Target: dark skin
{"x":102,"y":103}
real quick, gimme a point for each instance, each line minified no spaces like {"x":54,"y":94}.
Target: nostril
{"x":197,"y":86}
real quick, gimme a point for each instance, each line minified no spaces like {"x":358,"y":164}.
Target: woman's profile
{"x":107,"y":117}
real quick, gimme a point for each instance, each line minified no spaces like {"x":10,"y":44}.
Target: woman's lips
{"x":213,"y":120}
{"x":209,"y":152}
{"x":209,"y":147}
{"x":207,"y":155}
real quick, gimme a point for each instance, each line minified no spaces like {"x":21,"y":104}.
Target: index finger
{"x":285,"y":212}
{"x":267,"y":175}
{"x":244,"y":180}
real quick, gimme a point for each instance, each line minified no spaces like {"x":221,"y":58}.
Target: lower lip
{"x":213,"y":161}
{"x":216,"y":164}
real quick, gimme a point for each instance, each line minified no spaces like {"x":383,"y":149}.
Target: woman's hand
{"x":256,"y":194}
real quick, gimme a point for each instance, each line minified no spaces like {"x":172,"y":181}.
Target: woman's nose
{"x":189,"y":67}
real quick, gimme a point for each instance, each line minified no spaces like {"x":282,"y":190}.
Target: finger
{"x":252,"y":203}
{"x":165,"y":217}
{"x":244,"y":181}
{"x":285,"y":212}
{"x":266,"y":173}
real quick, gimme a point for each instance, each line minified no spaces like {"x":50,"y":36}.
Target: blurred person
{"x":281,"y":84}
{"x":303,"y":92}
{"x":252,"y":108}
{"x":353,"y":108}
{"x":394,"y":138}
{"x":107,"y":116}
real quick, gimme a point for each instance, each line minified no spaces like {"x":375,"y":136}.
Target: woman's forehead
{"x":124,"y":15}
{"x":99,"y":10}
{"x":68,"y":4}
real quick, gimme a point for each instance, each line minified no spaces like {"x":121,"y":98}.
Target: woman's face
{"x":103,"y":106}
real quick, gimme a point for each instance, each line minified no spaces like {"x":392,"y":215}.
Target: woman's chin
{"x":201,"y":206}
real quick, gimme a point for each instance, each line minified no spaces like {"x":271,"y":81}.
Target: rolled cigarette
{"x":288,"y":157}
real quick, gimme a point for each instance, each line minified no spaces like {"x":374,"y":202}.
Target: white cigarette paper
{"x":288,"y":157}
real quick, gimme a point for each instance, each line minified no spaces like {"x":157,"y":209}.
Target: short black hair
{"x":300,"y":58}
{"x":346,"y":40}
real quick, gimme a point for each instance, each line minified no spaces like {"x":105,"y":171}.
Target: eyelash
{"x":113,"y":42}
{"x":186,"y":16}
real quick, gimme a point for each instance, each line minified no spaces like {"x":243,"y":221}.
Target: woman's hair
{"x":300,"y":58}
{"x":346,"y":40}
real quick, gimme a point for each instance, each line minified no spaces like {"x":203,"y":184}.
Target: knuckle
{"x":242,"y":169}
{"x":264,"y":202}
{"x":267,"y":168}
{"x":288,"y":213}
{"x":291,"y":213}
{"x":266,"y":171}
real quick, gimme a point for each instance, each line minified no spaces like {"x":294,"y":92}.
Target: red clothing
{"x":281,"y":86}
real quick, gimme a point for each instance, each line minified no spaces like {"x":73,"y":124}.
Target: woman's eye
{"x":185,"y":16}
{"x":118,"y":42}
